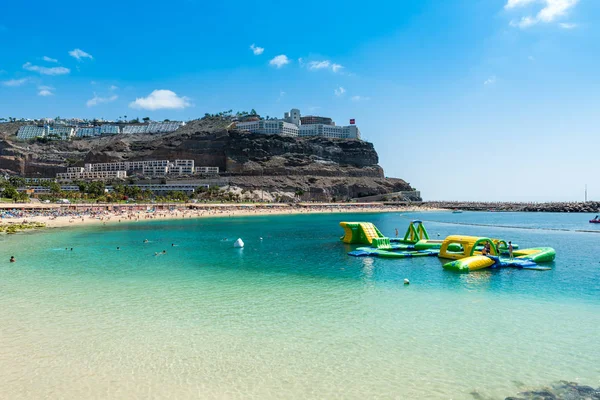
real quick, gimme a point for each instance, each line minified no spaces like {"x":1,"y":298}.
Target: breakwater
{"x":575,"y":207}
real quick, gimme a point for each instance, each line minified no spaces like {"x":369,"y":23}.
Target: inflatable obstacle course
{"x":465,"y":251}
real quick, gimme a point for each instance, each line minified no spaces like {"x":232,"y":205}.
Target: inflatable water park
{"x":464,"y":253}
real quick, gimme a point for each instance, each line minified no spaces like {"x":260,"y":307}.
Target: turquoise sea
{"x":291,"y":315}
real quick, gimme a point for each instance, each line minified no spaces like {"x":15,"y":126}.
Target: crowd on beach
{"x":65,"y":216}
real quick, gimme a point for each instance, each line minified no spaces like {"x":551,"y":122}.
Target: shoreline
{"x":66,"y":216}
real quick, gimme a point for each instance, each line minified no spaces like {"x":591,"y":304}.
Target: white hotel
{"x":153,"y":168}
{"x":291,"y":125}
{"x":81,"y":173}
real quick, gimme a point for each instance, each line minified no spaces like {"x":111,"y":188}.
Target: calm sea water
{"x":291,"y":315}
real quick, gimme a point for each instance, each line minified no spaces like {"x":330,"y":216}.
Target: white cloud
{"x":551,"y":10}
{"x":518,"y":3}
{"x":525,"y":22}
{"x":112,"y":88}
{"x":79,"y":54}
{"x":46,"y":71}
{"x":336,"y":67}
{"x":281,"y":95}
{"x":48,"y":59}
{"x":339,"y":91}
{"x":45,"y":91}
{"x":15,"y":82}
{"x":257,"y":50}
{"x":325,"y":64}
{"x":555,"y":9}
{"x":319,"y":64}
{"x":279,"y":61}
{"x":94,"y":101}
{"x":490,"y":81}
{"x":161,"y":99}
{"x":359,"y":98}
{"x":568,"y":25}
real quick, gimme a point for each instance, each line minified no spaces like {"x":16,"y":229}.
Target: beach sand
{"x":130,"y":214}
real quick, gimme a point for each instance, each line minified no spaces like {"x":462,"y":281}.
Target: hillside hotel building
{"x":293,"y":124}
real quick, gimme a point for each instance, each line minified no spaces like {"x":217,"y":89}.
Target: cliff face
{"x":329,"y":168}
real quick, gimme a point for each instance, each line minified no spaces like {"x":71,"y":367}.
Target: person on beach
{"x":510,"y":250}
{"x":12,"y":259}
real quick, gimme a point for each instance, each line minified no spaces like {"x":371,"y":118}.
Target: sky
{"x":492,"y":100}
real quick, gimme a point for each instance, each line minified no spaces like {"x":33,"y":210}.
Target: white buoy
{"x":406,"y":282}
{"x":238,"y":243}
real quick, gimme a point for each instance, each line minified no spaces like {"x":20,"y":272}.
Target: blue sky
{"x":464,"y":99}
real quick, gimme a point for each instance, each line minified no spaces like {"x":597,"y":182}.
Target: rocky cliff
{"x":325,"y":168}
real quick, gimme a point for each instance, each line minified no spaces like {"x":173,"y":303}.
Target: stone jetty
{"x":574,"y":207}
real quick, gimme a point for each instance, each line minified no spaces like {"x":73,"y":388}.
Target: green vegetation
{"x":14,"y":228}
{"x":8,"y":189}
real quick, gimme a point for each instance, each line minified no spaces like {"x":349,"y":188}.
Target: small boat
{"x":594,"y":221}
{"x":457,"y":212}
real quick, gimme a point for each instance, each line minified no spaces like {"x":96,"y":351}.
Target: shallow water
{"x":291,"y":315}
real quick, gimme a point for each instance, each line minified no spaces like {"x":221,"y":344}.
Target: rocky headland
{"x":311,"y":168}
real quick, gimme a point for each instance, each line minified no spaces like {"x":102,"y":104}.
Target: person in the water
{"x":12,"y":259}
{"x":145,"y":240}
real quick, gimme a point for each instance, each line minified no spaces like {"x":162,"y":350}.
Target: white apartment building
{"x":109,"y":130}
{"x":126,"y":165}
{"x":153,"y":127}
{"x":275,"y":127}
{"x":291,"y":125}
{"x":207,"y":170}
{"x":147,"y":168}
{"x":60,"y":132}
{"x":182,"y":167}
{"x":132,"y":129}
{"x":84,"y":175}
{"x":164,"y":127}
{"x":88,"y":132}
{"x":31,"y":132}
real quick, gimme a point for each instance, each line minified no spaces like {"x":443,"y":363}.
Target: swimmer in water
{"x":145,"y":240}
{"x":164,"y":252}
{"x":118,"y":248}
{"x":12,"y":259}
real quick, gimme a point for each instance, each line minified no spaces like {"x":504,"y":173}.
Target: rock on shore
{"x":560,"y":390}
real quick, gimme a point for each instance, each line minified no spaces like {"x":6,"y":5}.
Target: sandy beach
{"x":78,"y":215}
